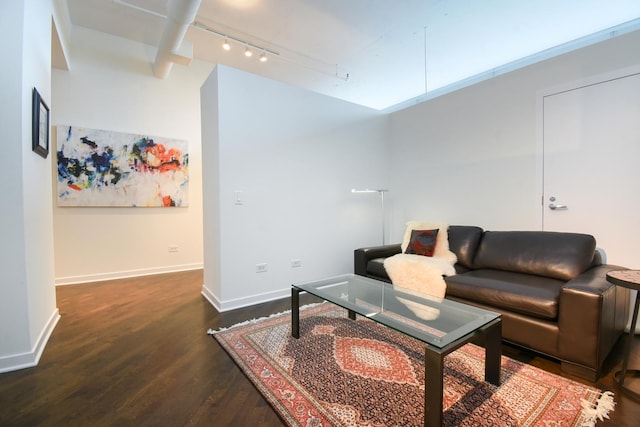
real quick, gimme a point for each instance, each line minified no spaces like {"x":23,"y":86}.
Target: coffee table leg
{"x":295,"y":312}
{"x":493,"y":353}
{"x":434,"y":374}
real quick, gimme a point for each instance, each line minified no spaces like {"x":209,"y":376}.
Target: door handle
{"x":555,"y":207}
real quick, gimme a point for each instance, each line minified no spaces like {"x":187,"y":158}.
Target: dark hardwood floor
{"x":135,"y":352}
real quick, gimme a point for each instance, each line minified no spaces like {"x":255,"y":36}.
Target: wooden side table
{"x":629,"y":279}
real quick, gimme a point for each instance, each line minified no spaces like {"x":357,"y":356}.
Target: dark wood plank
{"x":135,"y":352}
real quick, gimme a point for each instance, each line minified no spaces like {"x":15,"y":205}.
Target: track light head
{"x":263,"y":57}
{"x":247,"y":52}
{"x":226,"y":45}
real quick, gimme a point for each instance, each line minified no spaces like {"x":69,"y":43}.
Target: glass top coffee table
{"x":442,"y":325}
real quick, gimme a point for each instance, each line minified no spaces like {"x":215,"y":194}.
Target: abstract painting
{"x":114,"y":169}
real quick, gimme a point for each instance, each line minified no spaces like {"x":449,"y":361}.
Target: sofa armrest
{"x":592,"y":314}
{"x":362,"y":256}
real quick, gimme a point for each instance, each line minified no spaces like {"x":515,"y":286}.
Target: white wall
{"x":212,"y":287}
{"x":294,"y":155}
{"x":110,"y":86}
{"x":469,"y":157}
{"x":472,"y":156}
{"x":28,"y":311}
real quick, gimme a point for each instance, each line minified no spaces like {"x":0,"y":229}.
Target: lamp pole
{"x":381,"y":192}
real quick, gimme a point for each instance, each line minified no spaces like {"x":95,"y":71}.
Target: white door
{"x":591,"y":164}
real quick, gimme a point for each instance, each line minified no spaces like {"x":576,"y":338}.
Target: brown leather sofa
{"x":550,"y":288}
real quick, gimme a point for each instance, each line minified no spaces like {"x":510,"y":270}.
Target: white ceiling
{"x":384,"y":46}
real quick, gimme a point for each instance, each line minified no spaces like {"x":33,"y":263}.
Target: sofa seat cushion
{"x":521,"y":293}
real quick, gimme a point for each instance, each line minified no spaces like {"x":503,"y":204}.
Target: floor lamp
{"x":381,"y":193}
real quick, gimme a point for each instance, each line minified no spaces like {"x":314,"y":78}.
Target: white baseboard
{"x":73,"y":280}
{"x":222,"y":306}
{"x":31,"y":358}
{"x":209,"y":296}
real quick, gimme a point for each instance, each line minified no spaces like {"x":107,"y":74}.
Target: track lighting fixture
{"x":247,"y":51}
{"x":263,"y":53}
{"x":320,"y":66}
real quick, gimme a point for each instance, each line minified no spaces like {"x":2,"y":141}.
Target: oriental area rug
{"x":342,"y":372}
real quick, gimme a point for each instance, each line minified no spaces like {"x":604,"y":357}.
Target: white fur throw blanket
{"x":422,"y":274}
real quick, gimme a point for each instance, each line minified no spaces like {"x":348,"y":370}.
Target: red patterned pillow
{"x":422,"y":242}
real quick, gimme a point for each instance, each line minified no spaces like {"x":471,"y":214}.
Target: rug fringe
{"x":598,"y":410}
{"x":247,"y":322}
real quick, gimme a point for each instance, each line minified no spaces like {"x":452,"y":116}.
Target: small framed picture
{"x":40,"y":125}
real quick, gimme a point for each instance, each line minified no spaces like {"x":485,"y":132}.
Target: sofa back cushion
{"x":544,"y":253}
{"x":463,"y":241}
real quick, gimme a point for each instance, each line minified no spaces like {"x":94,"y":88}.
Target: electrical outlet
{"x":295,"y":263}
{"x":261,"y":268}
{"x":173,"y":248}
